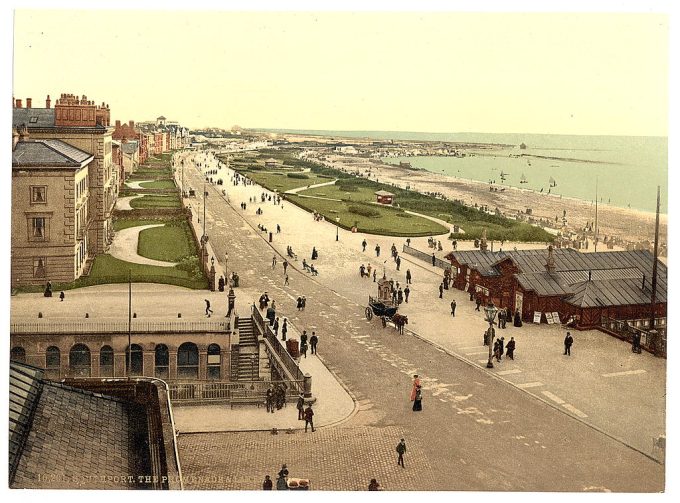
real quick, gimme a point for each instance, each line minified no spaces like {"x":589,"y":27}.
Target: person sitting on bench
{"x":305,"y":265}
{"x":314,"y":272}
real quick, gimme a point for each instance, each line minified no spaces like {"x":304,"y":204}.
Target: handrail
{"x":46,"y":326}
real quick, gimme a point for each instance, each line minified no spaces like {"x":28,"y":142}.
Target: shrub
{"x":297,"y":176}
{"x":364,"y":211}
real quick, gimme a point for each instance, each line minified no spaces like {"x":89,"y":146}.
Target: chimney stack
{"x":19,"y":105}
{"x":117,"y":124}
{"x":590,"y":275}
{"x":550,"y":265}
{"x":644,"y":280}
{"x":23,"y":133}
{"x":15,"y":138}
{"x":48,"y":101}
{"x":29,"y":102}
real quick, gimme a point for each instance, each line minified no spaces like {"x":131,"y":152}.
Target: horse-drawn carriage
{"x":385,"y":308}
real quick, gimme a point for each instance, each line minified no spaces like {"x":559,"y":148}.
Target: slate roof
{"x":33,"y":117}
{"x":383,"y":193}
{"x":68,"y":434}
{"x":130,"y":147}
{"x":615,"y":276}
{"x":51,"y":153}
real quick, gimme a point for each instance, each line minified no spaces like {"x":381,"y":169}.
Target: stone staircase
{"x":248,"y":364}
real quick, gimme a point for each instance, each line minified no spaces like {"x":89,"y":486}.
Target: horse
{"x":399,"y":321}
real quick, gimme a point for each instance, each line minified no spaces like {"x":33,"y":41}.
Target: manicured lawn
{"x":124,"y":223}
{"x":156,"y":201}
{"x":107,"y":269}
{"x":387,"y":221}
{"x":159,"y":184}
{"x":168,"y":243}
{"x":280,"y":181}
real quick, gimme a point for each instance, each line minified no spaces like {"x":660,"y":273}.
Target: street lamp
{"x":490,"y":314}
{"x":337,"y":229}
{"x":226,"y":266}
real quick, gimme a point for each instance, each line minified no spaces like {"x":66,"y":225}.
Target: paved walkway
{"x":123,"y":203}
{"x":137,"y":184}
{"x":125,"y":243}
{"x":300,"y":189}
{"x":333,"y":405}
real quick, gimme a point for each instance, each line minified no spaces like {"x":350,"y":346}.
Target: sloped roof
{"x":479,"y":260}
{"x":383,"y":193}
{"x":25,"y":385}
{"x":33,"y":117}
{"x":50,"y":153}
{"x":72,"y":434}
{"x":613,"y":292}
{"x":130,"y":147}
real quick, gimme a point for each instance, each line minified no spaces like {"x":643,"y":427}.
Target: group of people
{"x":275,"y":398}
{"x":306,"y":415}
{"x":499,"y":346}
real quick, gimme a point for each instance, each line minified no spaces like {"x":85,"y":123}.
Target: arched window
{"x":106,"y":361}
{"x":187,"y":361}
{"x":135,"y":353}
{"x":53,"y":363}
{"x":18,"y":354}
{"x":162,"y":362}
{"x":79,"y":361}
{"x":214,"y":362}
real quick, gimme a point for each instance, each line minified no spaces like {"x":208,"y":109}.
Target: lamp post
{"x":226,"y":266}
{"x":204,"y":195}
{"x":337,"y":228}
{"x":490,"y":314}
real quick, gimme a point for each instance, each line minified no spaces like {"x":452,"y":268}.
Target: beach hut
{"x":384,"y":197}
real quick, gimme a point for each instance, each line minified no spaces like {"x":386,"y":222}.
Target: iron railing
{"x":207,"y":391}
{"x":275,"y":349}
{"x":443,"y":264}
{"x":626,"y":329}
{"x":89,"y":327}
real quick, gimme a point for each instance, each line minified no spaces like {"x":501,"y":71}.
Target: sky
{"x":434,"y":71}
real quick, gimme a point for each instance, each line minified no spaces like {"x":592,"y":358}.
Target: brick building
{"x":83,"y":125}
{"x":50,"y":210}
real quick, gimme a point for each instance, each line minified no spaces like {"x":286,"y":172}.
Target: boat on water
{"x":553,"y":183}
{"x":503,"y":175}
{"x":523,"y":179}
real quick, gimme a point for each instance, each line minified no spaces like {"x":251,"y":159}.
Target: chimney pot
{"x":29,"y":102}
{"x":48,"y":101}
{"x":117,"y":124}
{"x":19,"y":103}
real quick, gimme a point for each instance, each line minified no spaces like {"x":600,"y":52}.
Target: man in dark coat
{"x":284,"y":329}
{"x":518,"y":319}
{"x":510,"y":349}
{"x":313,"y":341}
{"x":407,"y":291}
{"x":408,"y":276}
{"x":267,"y":484}
{"x":453,"y":308}
{"x":401,"y":450}
{"x":309,"y":415}
{"x":441,"y":290}
{"x":501,"y":317}
{"x":433,"y":259}
{"x":301,"y":407}
{"x":568,"y":341}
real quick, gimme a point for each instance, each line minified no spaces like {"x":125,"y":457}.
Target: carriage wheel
{"x":369,"y":313}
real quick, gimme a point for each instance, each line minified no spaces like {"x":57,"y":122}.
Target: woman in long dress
{"x":418,"y":401}
{"x":416,"y":385}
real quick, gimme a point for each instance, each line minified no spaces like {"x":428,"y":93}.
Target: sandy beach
{"x":628,"y":225}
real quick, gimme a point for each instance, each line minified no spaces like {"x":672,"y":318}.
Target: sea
{"x":623,"y":171}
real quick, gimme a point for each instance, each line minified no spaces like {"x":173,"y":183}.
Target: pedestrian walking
{"x":303,"y":348}
{"x":363,"y":245}
{"x":269,"y":399}
{"x":415,"y":386}
{"x":283,"y":472}
{"x":418,"y":401}
{"x":501,"y":347}
{"x":313,"y":341}
{"x":568,"y":341}
{"x":285,"y":265}
{"x":273,"y":261}
{"x":304,"y":302}
{"x":208,"y":311}
{"x":453,"y":308}
{"x":479,"y":303}
{"x":518,"y":319}
{"x":400,"y":296}
{"x":267,"y":484}
{"x":278,"y":229}
{"x":408,"y":276}
{"x":276,"y":327}
{"x":441,"y":290}
{"x":510,"y":349}
{"x":309,"y":417}
{"x":281,"y":484}
{"x":407,"y":291}
{"x":61,"y":295}
{"x":496,"y":350}
{"x":434,"y":259}
{"x":285,"y":280}
{"x":299,"y":303}
{"x":401,"y":450}
{"x":398,"y":262}
{"x":377,"y":250}
{"x":284,"y":329}
{"x":374,"y":275}
{"x":301,"y":407}
{"x":501,"y":317}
